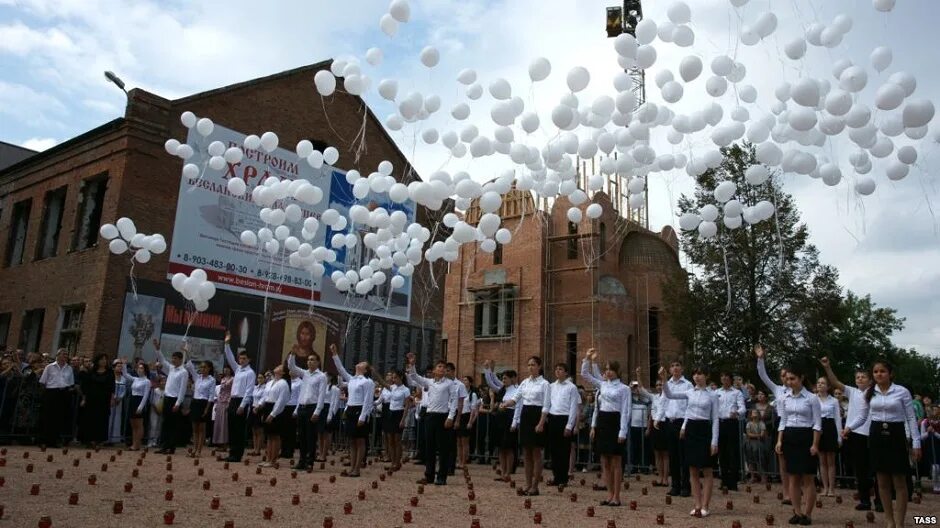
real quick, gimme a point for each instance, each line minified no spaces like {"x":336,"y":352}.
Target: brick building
{"x":62,"y":287}
{"x":559,"y":288}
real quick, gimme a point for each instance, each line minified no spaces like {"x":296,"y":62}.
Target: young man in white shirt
{"x":442,"y":408}
{"x":59,"y":382}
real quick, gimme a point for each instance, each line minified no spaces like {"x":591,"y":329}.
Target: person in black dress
{"x":95,"y":406}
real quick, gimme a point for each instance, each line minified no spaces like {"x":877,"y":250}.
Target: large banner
{"x":209,"y":222}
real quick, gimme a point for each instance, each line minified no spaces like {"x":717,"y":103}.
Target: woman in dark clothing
{"x":28,"y":401}
{"x":95,"y":406}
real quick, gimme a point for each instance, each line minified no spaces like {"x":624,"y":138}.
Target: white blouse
{"x":279,"y":395}
{"x":395,"y":397}
{"x":360,"y":388}
{"x":203,"y":386}
{"x":470,"y":404}
{"x":777,"y":390}
{"x":332,"y":399}
{"x":857,"y":419}
{"x":563,"y":400}
{"x":257,"y":395}
{"x":532,"y":392}
{"x":894,"y":406}
{"x":139,"y":387}
{"x":702,"y":405}
{"x":800,"y":410}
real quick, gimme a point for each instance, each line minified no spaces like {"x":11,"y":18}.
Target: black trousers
{"x":170,"y":431}
{"x":236,"y":429}
{"x":639,"y":454}
{"x":307,"y":434}
{"x":678,"y":470}
{"x":422,"y":436}
{"x":438,"y":444}
{"x":861,"y":466}
{"x":729,"y":451}
{"x":56,"y":410}
{"x":289,"y":433}
{"x":559,"y":447}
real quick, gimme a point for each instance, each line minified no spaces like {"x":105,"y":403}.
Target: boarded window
{"x":90,"y":206}
{"x":19,"y":227}
{"x":70,"y":332}
{"x":51,"y":223}
{"x":573,"y":240}
{"x":31,"y":331}
{"x":4,"y":330}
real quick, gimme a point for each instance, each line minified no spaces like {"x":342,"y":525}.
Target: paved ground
{"x":497,"y":505}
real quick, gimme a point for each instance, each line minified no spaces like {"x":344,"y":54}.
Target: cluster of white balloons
{"x":196,"y":288}
{"x":123,"y":236}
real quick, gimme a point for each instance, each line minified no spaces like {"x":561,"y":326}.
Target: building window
{"x":571,"y":352}
{"x":71,"y":329}
{"x":31,"y":331}
{"x":572,"y":240}
{"x":493,"y":314}
{"x":19,"y":226}
{"x":51,"y":223}
{"x":90,"y":206}
{"x":498,"y":254}
{"x":653,"y":340}
{"x":602,"y":243}
{"x":4,"y":330}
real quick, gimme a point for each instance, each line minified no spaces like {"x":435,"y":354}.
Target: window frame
{"x":91,"y":236}
{"x":494,"y":313}
{"x":44,"y":223}
{"x":8,"y":260}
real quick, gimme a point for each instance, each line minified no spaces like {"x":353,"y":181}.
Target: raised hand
{"x":758,"y":351}
{"x":333,"y":350}
{"x":411,"y":358}
{"x":488,"y":364}
{"x":156,"y":343}
{"x":662,"y":372}
{"x":228,"y":336}
{"x":824,"y":361}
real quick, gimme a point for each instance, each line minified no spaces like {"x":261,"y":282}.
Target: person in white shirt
{"x":730,"y":409}
{"x":329,"y":416}
{"x":140,"y":396}
{"x":289,"y":425}
{"x":274,"y":411}
{"x":255,"y":419}
{"x":173,"y":395}
{"x":529,"y":404}
{"x":672,"y":415}
{"x":778,"y":392}
{"x":501,"y":418}
{"x":699,"y":431}
{"x":394,"y":401}
{"x":468,"y":419}
{"x":156,"y":411}
{"x":656,"y":432}
{"x":203,"y":394}
{"x":560,"y":416}
{"x":450,"y":372}
{"x":893,"y":423}
{"x":310,"y":402}
{"x":59,"y":382}
{"x":359,"y":407}
{"x":239,"y":405}
{"x":610,"y":423}
{"x":830,"y":441}
{"x":855,"y":433}
{"x":798,"y":442}
{"x":442,"y":410}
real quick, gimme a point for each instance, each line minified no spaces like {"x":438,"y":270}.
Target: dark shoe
{"x":795,"y":519}
{"x":614,"y":503}
{"x":787,"y":502}
{"x":805,"y":521}
{"x":863,"y":506}
{"x":301,"y":467}
{"x":674,"y":493}
{"x":879,"y":508}
{"x":605,"y":503}
{"x":686,"y":493}
{"x":440,"y":482}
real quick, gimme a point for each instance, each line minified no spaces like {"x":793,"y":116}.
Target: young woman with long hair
{"x":395,"y":401}
{"x":831,"y":440}
{"x":140,"y":398}
{"x":529,"y":402}
{"x":200,"y":407}
{"x":359,"y":406}
{"x":274,"y":412}
{"x":329,"y":416}
{"x":610,"y":422}
{"x":223,"y":397}
{"x":798,"y":442}
{"x":501,"y":417}
{"x":255,"y":419}
{"x":778,"y":392}
{"x":655,"y":431}
{"x":468,"y":420}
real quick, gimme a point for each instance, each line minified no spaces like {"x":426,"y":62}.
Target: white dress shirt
{"x":730,"y":401}
{"x":509,"y":397}
{"x":176,"y":378}
{"x":139,"y":387}
{"x":313,"y":386}
{"x":332,"y":399}
{"x":800,"y":410}
{"x":532,"y":392}
{"x":395,"y":397}
{"x":674,"y":408}
{"x":563,"y":400}
{"x":203,"y":386}
{"x":56,"y":376}
{"x":777,"y":390}
{"x":257,"y":394}
{"x":441,"y":396}
{"x":830,"y":408}
{"x":360,"y":388}
{"x":279,"y":395}
{"x":857,"y":418}
{"x":471,"y":404}
{"x":894,"y":406}
{"x":244,"y":381}
{"x":612,"y":396}
{"x":702,"y":404}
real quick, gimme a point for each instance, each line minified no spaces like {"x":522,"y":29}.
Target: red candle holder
{"x":918,"y":497}
{"x":195,"y":462}
{"x":767,"y":485}
{"x":120,"y":452}
{"x":729,"y":505}
{"x":267,"y":513}
{"x":214,"y":503}
{"x":527,"y":504}
{"x":414,"y":502}
{"x":225,"y":466}
{"x":25,"y":455}
{"x":769,"y":519}
{"x":229,"y":523}
{"x":322,"y":465}
{"x":420,"y":489}
{"x":668,"y":500}
{"x":3,"y":481}
{"x":512,"y":484}
{"x":747,"y":489}
{"x":633,"y":505}
{"x":50,"y":458}
{"x":611,"y":523}
{"x":59,"y":473}
{"x":118,"y":507}
{"x":248,"y":491}
{"x":644,"y":491}
{"x":406,"y":517}
{"x":362,"y":495}
{"x":472,"y":510}
{"x":471,"y":495}
{"x":135,"y":473}
{"x":92,"y":479}
{"x":315,"y":488}
{"x":475,"y":523}
{"x":332,"y":479}
{"x":104,"y":468}
{"x":3,"y":451}
{"x":295,"y":499}
{"x":870,"y":517}
{"x":849,"y":524}
{"x":724,"y":490}
{"x":590,"y":511}
{"x":779,"y":495}
{"x":347,"y":508}
{"x":273,"y":481}
{"x":169,"y":516}
{"x":537,"y":518}
{"x":818,"y":503}
{"x":660,"y":518}
{"x":128,"y":487}
{"x":293,"y":474}
{"x":573,"y":497}
{"x":246,"y":461}
{"x":583,"y":482}
{"x":206,"y":484}
{"x":113,"y":458}
{"x":327,"y":522}
{"x":3,"y":462}
{"x":200,"y":472}
{"x":375,"y":484}
{"x":235,"y":477}
{"x":735,"y":524}
{"x":626,"y":485}
{"x":258,"y":470}
{"x":169,"y":466}
{"x":169,"y":458}
{"x":140,"y":462}
{"x":838,"y":499}
{"x":73,"y":498}
{"x":382,"y":477}
{"x":87,"y":454}
{"x":756,"y":499}
{"x":45,"y":522}
{"x":169,"y":478}
{"x":168,"y":495}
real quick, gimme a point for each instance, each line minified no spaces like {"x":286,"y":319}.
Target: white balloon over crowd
{"x":122,"y":237}
{"x":787,"y":126}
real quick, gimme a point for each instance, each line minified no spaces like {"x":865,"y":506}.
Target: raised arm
{"x":830,"y":375}
{"x":762,"y":372}
{"x":191,"y":370}
{"x":343,"y":375}
{"x":293,"y":368}
{"x":229,"y":356}
{"x":588,"y":375}
{"x":490,"y":377}
{"x":667,"y":392}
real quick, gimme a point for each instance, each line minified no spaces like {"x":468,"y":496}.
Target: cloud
{"x":39,"y":144}
{"x":19,"y":39}
{"x":31,"y":108}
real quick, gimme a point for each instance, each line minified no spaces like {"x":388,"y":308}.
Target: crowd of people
{"x":796,"y":429}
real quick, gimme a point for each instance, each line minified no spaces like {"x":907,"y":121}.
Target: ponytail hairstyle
{"x":870,"y":393}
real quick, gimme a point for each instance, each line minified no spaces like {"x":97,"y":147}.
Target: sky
{"x":53,"y":53}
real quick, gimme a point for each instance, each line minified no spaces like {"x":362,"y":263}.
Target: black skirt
{"x":606,"y":434}
{"x":887,"y":446}
{"x":391,"y":420}
{"x":698,"y":444}
{"x":506,"y":437}
{"x":829,"y":441}
{"x":528,"y":437}
{"x":196,"y":410}
{"x":796,"y":444}
{"x":322,"y":424}
{"x":276,"y":426}
{"x":464,"y":431}
{"x":135,"y":404}
{"x":255,"y":419}
{"x":352,"y":423}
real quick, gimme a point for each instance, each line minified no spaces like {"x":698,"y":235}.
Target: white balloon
{"x":683,"y":36}
{"x":708,"y":212}
{"x":330,"y":155}
{"x":108,"y":231}
{"x":889,"y":96}
{"x":539,"y":69}
{"x":716,"y":86}
{"x":756,"y":174}
{"x":578,"y":78}
{"x":690,"y":68}
{"x":883,"y":5}
{"x":374,"y":56}
{"x":388,"y":25}
{"x":574,"y":215}
{"x":805,"y":92}
{"x":430,"y":57}
{"x":853,"y":79}
{"x":142,"y":255}
{"x":529,"y":122}
{"x":388,"y":89}
{"x":269,"y":141}
{"x":722,"y":65}
{"x":188,"y":119}
{"x":907,"y":155}
{"x":747,"y":93}
{"x":172,"y":147}
{"x":707,"y":229}
{"x":838,"y":102}
{"x":126,"y":228}
{"x":724,"y":191}
{"x":205,"y":126}
{"x":236,"y":186}
{"x":117,"y":246}
{"x":645,"y":56}
{"x":896,"y":170}
{"x":646,"y":31}
{"x":249,"y":238}
{"x":325,"y":83}
{"x":917,"y":113}
{"x":562,"y":116}
{"x":864,"y":185}
{"x":904,"y":80}
{"x":796,"y":48}
{"x":672,"y":92}
{"x":625,"y":45}
{"x":766,"y":24}
{"x":732,"y":222}
{"x":881,"y":58}
{"x":679,"y":13}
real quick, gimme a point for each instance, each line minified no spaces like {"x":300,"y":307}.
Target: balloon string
{"x":724,"y":256}
{"x":779,"y":236}
{"x":359,"y":141}
{"x":192,"y":318}
{"x":133,"y":280}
